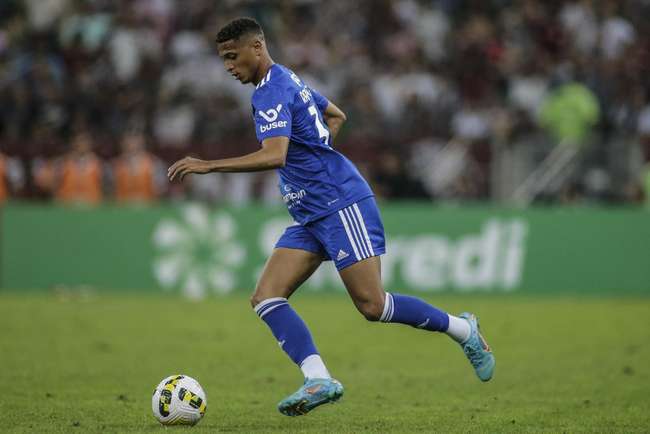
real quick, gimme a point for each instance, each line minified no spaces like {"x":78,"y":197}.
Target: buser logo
{"x":271,"y":114}
{"x":272,"y":125}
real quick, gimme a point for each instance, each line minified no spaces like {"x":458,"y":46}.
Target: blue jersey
{"x":316,"y":180}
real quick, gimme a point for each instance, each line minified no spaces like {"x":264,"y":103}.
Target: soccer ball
{"x":179,"y":400}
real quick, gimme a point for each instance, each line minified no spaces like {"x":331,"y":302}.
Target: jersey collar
{"x":265,"y":79}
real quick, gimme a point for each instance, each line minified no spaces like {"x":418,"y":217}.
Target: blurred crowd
{"x":446,"y":99}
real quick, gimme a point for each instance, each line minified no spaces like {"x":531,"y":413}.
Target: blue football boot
{"x":315,"y":392}
{"x":477,"y":350}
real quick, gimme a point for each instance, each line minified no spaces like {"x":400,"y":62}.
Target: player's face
{"x":241,"y":57}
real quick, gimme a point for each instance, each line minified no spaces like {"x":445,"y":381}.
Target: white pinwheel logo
{"x":198,"y":253}
{"x":271,"y":114}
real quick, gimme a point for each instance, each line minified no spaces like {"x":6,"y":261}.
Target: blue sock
{"x":289,"y":329}
{"x":412,"y":311}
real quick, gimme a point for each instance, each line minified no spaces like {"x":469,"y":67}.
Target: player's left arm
{"x":272,"y":155}
{"x":332,"y":115}
{"x":334,"y":118}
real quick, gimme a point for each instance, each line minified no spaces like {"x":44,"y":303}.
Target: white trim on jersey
{"x":264,"y":80}
{"x":355,"y":228}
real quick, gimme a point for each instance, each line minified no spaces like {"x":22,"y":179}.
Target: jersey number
{"x":323,"y":133}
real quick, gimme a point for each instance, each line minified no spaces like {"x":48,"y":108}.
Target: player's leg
{"x":283,"y":273}
{"x":363,"y":282}
{"x":296,"y":256}
{"x":358,"y":229}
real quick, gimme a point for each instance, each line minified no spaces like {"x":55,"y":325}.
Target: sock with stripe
{"x":417,"y":313}
{"x":292,"y":335}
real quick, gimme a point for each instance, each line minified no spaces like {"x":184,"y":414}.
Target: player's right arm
{"x":272,"y":155}
{"x":273,"y":120}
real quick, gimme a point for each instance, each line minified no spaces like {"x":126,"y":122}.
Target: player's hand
{"x":187,"y":165}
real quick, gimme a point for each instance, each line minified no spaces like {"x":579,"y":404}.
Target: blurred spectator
{"x":392,"y":180}
{"x":77,"y":177}
{"x":579,"y":21}
{"x":12,"y":178}
{"x":84,"y":25}
{"x":130,"y":44}
{"x":42,"y":14}
{"x":175,"y":121}
{"x":617,"y":33}
{"x":570,"y":112}
{"x":138,"y":176}
{"x":443,"y":168}
{"x":465,"y":90}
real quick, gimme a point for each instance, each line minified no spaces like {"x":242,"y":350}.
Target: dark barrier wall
{"x":197,"y":250}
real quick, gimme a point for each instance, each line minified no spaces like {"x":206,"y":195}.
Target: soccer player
{"x":336,"y":218}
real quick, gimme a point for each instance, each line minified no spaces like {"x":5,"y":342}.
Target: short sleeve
{"x":320,"y":100}
{"x":271,"y":113}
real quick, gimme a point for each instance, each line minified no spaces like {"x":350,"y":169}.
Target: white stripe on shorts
{"x":347,"y":231}
{"x":357,"y":232}
{"x":363,"y":227}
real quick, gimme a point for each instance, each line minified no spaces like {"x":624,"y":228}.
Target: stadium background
{"x":507,"y":141}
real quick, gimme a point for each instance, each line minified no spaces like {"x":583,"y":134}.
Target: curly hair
{"x":238,"y":27}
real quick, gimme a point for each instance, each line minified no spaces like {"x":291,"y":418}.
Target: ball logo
{"x":166,"y":395}
{"x":271,"y":114}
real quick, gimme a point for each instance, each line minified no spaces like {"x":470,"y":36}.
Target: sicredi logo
{"x":271,"y":114}
{"x":272,"y":125}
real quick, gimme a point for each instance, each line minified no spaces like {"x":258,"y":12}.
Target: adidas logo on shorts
{"x":342,"y":255}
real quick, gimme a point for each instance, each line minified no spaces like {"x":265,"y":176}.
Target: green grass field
{"x":89,"y":364}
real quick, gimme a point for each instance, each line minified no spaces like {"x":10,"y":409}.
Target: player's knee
{"x":371,"y":309}
{"x":254,"y":301}
{"x":257,"y":298}
{"x":262,"y":294}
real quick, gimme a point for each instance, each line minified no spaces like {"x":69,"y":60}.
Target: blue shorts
{"x":346,"y":237}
